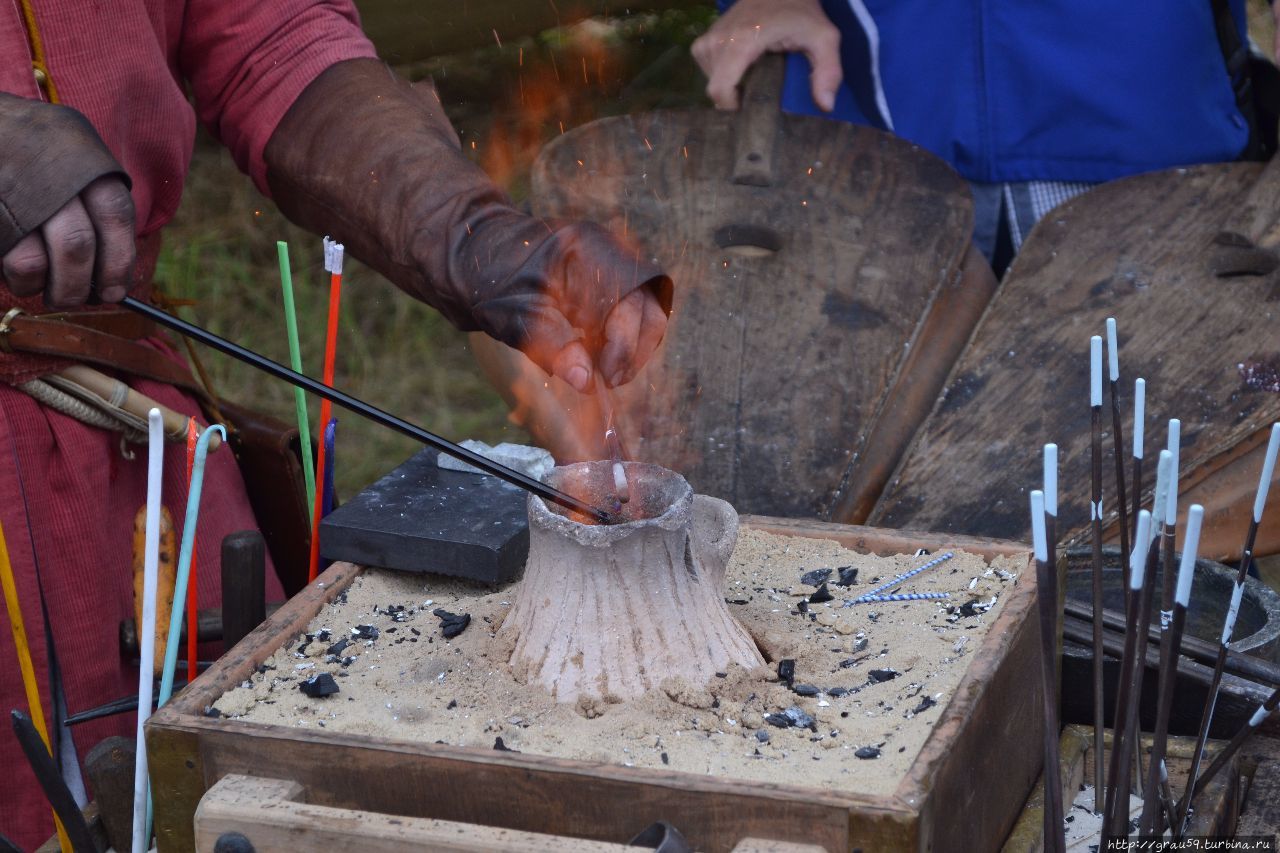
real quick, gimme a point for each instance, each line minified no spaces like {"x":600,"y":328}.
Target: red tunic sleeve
{"x":248,"y":61}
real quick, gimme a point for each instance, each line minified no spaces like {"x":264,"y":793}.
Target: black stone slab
{"x":423,"y":518}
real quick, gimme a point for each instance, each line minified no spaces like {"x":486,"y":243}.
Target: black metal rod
{"x":373,"y":413}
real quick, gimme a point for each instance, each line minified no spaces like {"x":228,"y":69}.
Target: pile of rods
{"x":1148,"y":544}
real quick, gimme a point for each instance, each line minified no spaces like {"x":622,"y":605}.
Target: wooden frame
{"x":989,"y":731}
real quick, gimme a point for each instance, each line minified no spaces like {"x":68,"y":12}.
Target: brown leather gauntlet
{"x":371,"y":159}
{"x":50,"y":153}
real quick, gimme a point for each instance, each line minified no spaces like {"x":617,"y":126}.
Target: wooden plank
{"x":270,"y":814}
{"x":1137,"y":250}
{"x":414,"y":30}
{"x":541,"y":794}
{"x":798,"y":304}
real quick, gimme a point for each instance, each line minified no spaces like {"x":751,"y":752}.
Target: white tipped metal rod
{"x":1170,"y":530}
{"x":1139,"y":435}
{"x":1264,"y":711}
{"x":1169,"y":672}
{"x":1131,"y":668}
{"x":1095,"y":520}
{"x":1117,"y":431}
{"x":147,"y":630}
{"x":1047,"y":599}
{"x":1229,"y":623}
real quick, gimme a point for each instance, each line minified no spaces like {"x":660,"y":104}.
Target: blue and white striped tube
{"x":904,"y":576}
{"x":902,"y":596}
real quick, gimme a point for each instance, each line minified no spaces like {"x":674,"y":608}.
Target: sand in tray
{"x":870,"y":681}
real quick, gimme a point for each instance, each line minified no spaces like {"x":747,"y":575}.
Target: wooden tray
{"x":963,"y":792}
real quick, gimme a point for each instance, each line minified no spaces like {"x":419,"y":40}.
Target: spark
{"x":495,"y":38}
{"x":522,"y":57}
{"x":584,"y":72}
{"x":648,"y":144}
{"x":685,"y":149}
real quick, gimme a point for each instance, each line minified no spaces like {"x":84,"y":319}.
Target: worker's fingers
{"x":26,"y":266}
{"x":729,"y":65}
{"x":621,"y":330}
{"x":822,"y":46}
{"x":71,"y":243}
{"x":573,"y":365}
{"x":653,"y":326}
{"x":110,"y":208}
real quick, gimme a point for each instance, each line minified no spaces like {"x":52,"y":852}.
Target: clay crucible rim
{"x":674,"y":517}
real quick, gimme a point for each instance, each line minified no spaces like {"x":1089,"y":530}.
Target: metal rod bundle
{"x":1095,"y":519}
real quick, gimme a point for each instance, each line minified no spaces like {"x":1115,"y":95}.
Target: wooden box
{"x":963,"y":792}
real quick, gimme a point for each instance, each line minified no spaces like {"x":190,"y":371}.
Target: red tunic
{"x":67,"y":494}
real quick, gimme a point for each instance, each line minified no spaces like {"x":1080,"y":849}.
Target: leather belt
{"x":108,"y":339}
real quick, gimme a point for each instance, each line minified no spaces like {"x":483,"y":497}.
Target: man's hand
{"x":751,"y":28}
{"x":89,"y":240}
{"x":632,"y":332}
{"x":66,"y":216}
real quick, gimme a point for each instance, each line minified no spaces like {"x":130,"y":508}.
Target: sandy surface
{"x":410,"y":683}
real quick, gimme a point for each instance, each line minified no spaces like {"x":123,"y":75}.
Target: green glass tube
{"x":295,"y":361}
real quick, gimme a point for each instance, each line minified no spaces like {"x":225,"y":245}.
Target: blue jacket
{"x":1014,"y":90}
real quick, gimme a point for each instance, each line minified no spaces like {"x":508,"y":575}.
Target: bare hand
{"x":633,"y":331}
{"x":751,"y":28}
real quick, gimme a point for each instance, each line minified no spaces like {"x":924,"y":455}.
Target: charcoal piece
{"x":837,"y":692}
{"x":868,"y":752}
{"x":415,"y":632}
{"x":815,"y":577}
{"x":762,"y":735}
{"x":452,"y":624}
{"x":822,"y":594}
{"x":969,"y":609}
{"x":804,"y":689}
{"x":860,"y":645}
{"x":348,"y":660}
{"x":453,"y":703}
{"x":324,"y":635}
{"x":780,"y":721}
{"x":666,"y":759}
{"x":502,"y":747}
{"x":925,"y":704}
{"x":365,"y":632}
{"x":848,"y":576}
{"x":338,"y":647}
{"x":802,"y":606}
{"x":848,"y":662}
{"x":735,"y":601}
{"x":787,"y":671}
{"x":879,"y":676}
{"x":212,"y":712}
{"x":318,"y":686}
{"x":798,"y":718}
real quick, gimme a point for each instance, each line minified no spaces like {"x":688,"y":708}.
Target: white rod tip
{"x":1113,"y":350}
{"x":1268,"y":473}
{"x":1139,"y":417}
{"x":1138,"y":558}
{"x":1051,"y":479}
{"x":1190,"y":546}
{"x":1095,"y":371}
{"x":1171,"y":490}
{"x":1039,"y":538}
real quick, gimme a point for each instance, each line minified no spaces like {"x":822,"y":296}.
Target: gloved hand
{"x":371,"y":159}
{"x":66,"y":216}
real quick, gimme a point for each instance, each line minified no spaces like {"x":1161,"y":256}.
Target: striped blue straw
{"x":903,"y":596}
{"x":904,"y":576}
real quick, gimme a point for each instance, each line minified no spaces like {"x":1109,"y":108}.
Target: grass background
{"x":506,"y":101}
